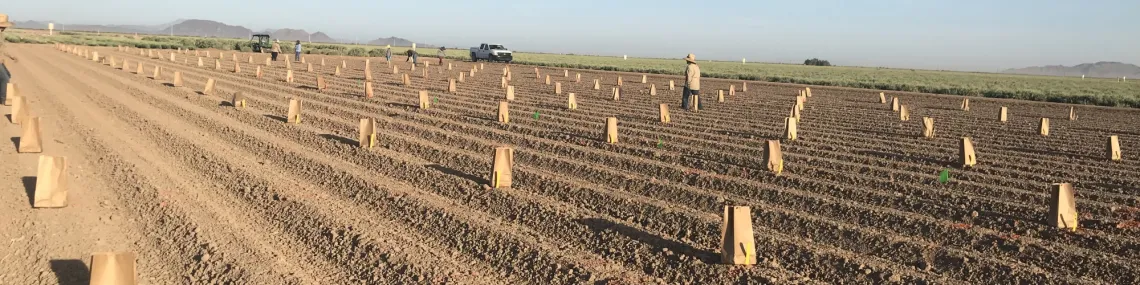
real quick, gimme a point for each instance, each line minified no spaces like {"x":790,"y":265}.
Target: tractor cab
{"x":259,"y":42}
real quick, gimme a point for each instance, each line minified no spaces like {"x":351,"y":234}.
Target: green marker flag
{"x":944,"y":176}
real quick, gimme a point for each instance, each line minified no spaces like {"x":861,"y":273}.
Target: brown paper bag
{"x":157,"y":73}
{"x":597,"y":85}
{"x":775,"y":157}
{"x":644,"y":79}
{"x":548,"y":79}
{"x":619,"y":81}
{"x":9,"y":93}
{"x":451,"y":85}
{"x":51,"y":182}
{"x":738,"y":246}
{"x":289,"y":76}
{"x":237,"y":67}
{"x":571,"y":102}
{"x":720,"y":96}
{"x":664,"y":111}
{"x":1044,"y":127}
{"x":407,"y":80}
{"x":139,"y":70}
{"x":558,"y":88}
{"x":113,"y":268}
{"x":928,"y":127}
{"x":504,"y":112}
{"x":617,"y":93}
{"x":177,"y":79}
{"x":1003,"y":115}
{"x":238,"y":100}
{"x":882,"y":98}
{"x":425,"y":101}
{"x":209,"y":89}
{"x":790,"y":128}
{"x":895,"y":104}
{"x":965,"y":104}
{"x":368,"y":89}
{"x":966,"y":153}
{"x":671,"y":87}
{"x":30,"y":138}
{"x":321,"y":83}
{"x":337,"y":71}
{"x":1062,"y":207}
{"x":294,"y":111}
{"x":217,"y":64}
{"x":732,"y":90}
{"x":1072,"y":114}
{"x":611,"y":130}
{"x":510,"y":93}
{"x":367,"y":136}
{"x":904,"y":115}
{"x":20,"y":109}
{"x":1114,"y":149}
{"x":653,"y":90}
{"x":258,"y":72}
{"x":501,"y":167}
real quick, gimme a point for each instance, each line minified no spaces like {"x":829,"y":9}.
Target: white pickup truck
{"x":491,"y":52}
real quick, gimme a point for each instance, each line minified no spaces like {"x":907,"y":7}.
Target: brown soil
{"x":206,"y":193}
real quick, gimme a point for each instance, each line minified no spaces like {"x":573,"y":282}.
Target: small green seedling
{"x":536,"y":115}
{"x":944,"y":176}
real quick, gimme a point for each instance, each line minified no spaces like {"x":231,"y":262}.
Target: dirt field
{"x":208,"y":194}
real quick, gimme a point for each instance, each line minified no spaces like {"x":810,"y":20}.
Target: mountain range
{"x":207,"y":28}
{"x":1105,"y":69}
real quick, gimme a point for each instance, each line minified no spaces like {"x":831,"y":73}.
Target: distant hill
{"x":1105,"y":69}
{"x":399,"y":42}
{"x":207,"y":28}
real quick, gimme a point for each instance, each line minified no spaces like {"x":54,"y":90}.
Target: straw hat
{"x":691,"y":58}
{"x":4,"y":21}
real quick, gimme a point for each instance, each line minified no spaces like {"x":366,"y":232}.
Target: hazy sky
{"x":984,"y":35}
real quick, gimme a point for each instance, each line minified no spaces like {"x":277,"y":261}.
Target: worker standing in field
{"x":412,"y":56}
{"x":692,"y":82}
{"x":4,"y":74}
{"x":297,"y":51}
{"x":276,"y":49}
{"x":388,"y":53}
{"x":441,"y":54}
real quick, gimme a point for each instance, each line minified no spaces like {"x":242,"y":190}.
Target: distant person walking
{"x":4,"y":74}
{"x":297,"y":51}
{"x":692,"y":82}
{"x":441,"y":54}
{"x":412,"y":56}
{"x":388,"y":53}
{"x":276,"y":49}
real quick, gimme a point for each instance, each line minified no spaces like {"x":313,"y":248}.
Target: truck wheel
{"x":473,"y":58}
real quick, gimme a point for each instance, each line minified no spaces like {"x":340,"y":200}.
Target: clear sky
{"x":980,"y":35}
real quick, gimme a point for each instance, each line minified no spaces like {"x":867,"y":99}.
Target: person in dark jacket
{"x":411,"y":56}
{"x":5,"y":76}
{"x":441,"y":54}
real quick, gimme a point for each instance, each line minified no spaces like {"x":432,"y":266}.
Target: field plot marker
{"x":209,"y":89}
{"x":501,"y":167}
{"x":1044,"y":127}
{"x":10,"y":91}
{"x":643,"y":79}
{"x":237,"y":67}
{"x":653,"y":90}
{"x":177,"y":79}
{"x":664,"y":112}
{"x":238,"y":100}
{"x":258,"y":72}
{"x":611,"y":130}
{"x":157,"y":73}
{"x":1114,"y":149}
{"x":505,"y":112}
{"x":113,"y":268}
{"x":1063,"y":207}
{"x":738,"y":246}
{"x":720,"y":96}
{"x":928,"y":127}
{"x":51,"y":182}
{"x":617,"y":93}
{"x":217,"y":64}
{"x":1003,"y":116}
{"x":882,"y":98}
{"x":671,"y":87}
{"x":967,"y":157}
{"x":31,"y":140}
{"x":965,"y":104}
{"x":895,"y":104}
{"x":510,"y":93}
{"x":294,"y":115}
{"x":790,"y":128}
{"x":904,"y":114}
{"x":451,"y":85}
{"x":571,"y":102}
{"x":1072,"y":114}
{"x":425,"y":101}
{"x":775,"y":157}
{"x":367,"y":136}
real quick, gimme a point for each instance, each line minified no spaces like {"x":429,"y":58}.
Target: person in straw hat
{"x":692,"y":82}
{"x":4,"y":74}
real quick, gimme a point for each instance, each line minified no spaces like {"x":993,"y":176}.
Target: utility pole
{"x":171,"y":30}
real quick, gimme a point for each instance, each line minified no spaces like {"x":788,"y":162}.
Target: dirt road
{"x":206,"y":193}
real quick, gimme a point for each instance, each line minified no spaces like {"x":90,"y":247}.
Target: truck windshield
{"x":495,"y":47}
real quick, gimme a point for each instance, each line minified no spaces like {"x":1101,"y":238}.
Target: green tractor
{"x":260,"y":42}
